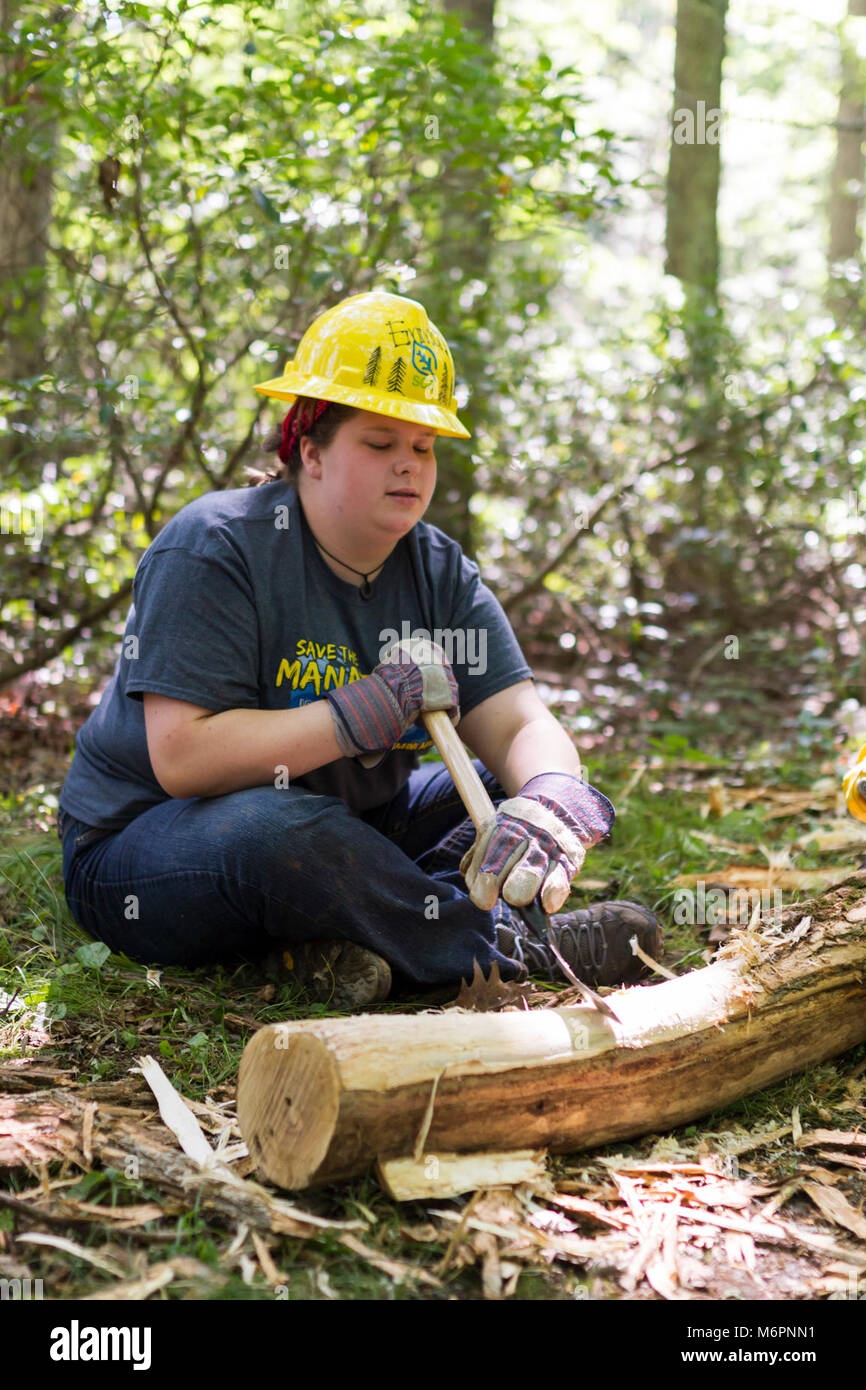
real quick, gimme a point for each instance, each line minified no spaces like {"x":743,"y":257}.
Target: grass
{"x":101,"y":1011}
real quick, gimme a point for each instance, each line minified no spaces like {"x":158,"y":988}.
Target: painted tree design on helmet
{"x":396,"y":375}
{"x":444,"y":386}
{"x":371,"y":371}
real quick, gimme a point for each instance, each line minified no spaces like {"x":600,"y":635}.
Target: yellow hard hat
{"x":379,"y":352}
{"x":854,"y":799}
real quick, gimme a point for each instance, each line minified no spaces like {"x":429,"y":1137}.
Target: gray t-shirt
{"x":235,"y":608}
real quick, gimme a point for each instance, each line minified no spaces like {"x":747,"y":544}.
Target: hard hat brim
{"x":290,"y":385}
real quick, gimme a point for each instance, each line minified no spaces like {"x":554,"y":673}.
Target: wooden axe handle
{"x":481,"y":808}
{"x":458,"y":762}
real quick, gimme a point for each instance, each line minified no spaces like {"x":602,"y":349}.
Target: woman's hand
{"x":537,"y":843}
{"x":371,"y":714}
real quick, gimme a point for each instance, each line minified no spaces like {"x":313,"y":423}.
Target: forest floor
{"x":768,"y":1195}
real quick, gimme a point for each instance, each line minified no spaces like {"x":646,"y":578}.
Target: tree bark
{"x":464,"y":241}
{"x":691,"y":240}
{"x":846,"y":179}
{"x":320,"y":1100}
{"x":26,"y":195}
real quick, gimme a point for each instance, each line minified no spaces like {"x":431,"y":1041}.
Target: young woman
{"x":250,"y":778}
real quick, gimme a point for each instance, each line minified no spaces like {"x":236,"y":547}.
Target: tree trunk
{"x":846,"y":179}
{"x":320,"y":1100}
{"x":26,"y":194}
{"x":464,"y":241}
{"x":693,"y":172}
{"x":691,"y":236}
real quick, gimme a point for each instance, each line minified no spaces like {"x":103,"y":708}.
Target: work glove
{"x":537,"y":842}
{"x":371,"y":714}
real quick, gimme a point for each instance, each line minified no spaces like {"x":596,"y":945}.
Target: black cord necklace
{"x":366,"y":588}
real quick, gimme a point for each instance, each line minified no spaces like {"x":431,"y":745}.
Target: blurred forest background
{"x":640,"y":228}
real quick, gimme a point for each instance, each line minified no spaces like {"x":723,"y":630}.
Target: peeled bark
{"x":448,"y":1175}
{"x":319,"y":1100}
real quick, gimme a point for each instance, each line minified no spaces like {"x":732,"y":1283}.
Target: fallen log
{"x":321,"y":1099}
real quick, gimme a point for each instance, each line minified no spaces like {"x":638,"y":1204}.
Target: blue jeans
{"x":229,"y":877}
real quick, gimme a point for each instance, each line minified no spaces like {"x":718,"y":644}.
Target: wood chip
{"x":69,"y":1247}
{"x":269,"y":1269}
{"x":638,"y":951}
{"x":566,"y":1245}
{"x":628,"y":1191}
{"x":651,"y":1239}
{"x":453,"y":1243}
{"x":427,"y":1121}
{"x":756,"y":1141}
{"x":758,"y":1226}
{"x":175,"y":1113}
{"x":131,"y":1216}
{"x":740,"y":1249}
{"x":825,"y":1243}
{"x":836,"y":1207}
{"x":844,"y":1159}
{"x":135,"y":1289}
{"x":396,"y":1269}
{"x":854,"y":1138}
{"x":720,"y":1194}
{"x":426,"y":1233}
{"x":819,"y":1174}
{"x":751,"y":876}
{"x":46,"y":1189}
{"x":491,"y":1269}
{"x":239,"y":1241}
{"x":583,"y":1206}
{"x":440,"y":1175}
{"x":662,"y":1271}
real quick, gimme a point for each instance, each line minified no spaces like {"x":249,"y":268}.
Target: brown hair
{"x":321,"y":432}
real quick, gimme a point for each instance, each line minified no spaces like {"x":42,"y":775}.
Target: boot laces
{"x":582,"y":944}
{"x":588,"y":943}
{"x":585,"y":949}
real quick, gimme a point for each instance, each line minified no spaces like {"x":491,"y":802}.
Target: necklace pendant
{"x":366,"y":588}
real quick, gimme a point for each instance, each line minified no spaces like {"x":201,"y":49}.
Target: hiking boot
{"x":339,"y":973}
{"x":594,"y":941}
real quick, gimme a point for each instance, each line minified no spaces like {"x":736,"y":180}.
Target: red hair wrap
{"x":298,"y":423}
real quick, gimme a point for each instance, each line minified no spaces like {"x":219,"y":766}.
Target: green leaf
{"x":87,"y":1185}
{"x":93,"y":954}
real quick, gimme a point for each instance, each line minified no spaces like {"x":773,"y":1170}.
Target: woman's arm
{"x":516,"y":737}
{"x":194,"y":752}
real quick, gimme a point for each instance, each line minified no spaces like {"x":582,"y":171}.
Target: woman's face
{"x":377,"y":475}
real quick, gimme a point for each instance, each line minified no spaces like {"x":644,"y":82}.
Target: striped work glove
{"x":371,"y":714}
{"x":537,"y":842}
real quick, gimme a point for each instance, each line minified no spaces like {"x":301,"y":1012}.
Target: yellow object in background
{"x":854,"y":786}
